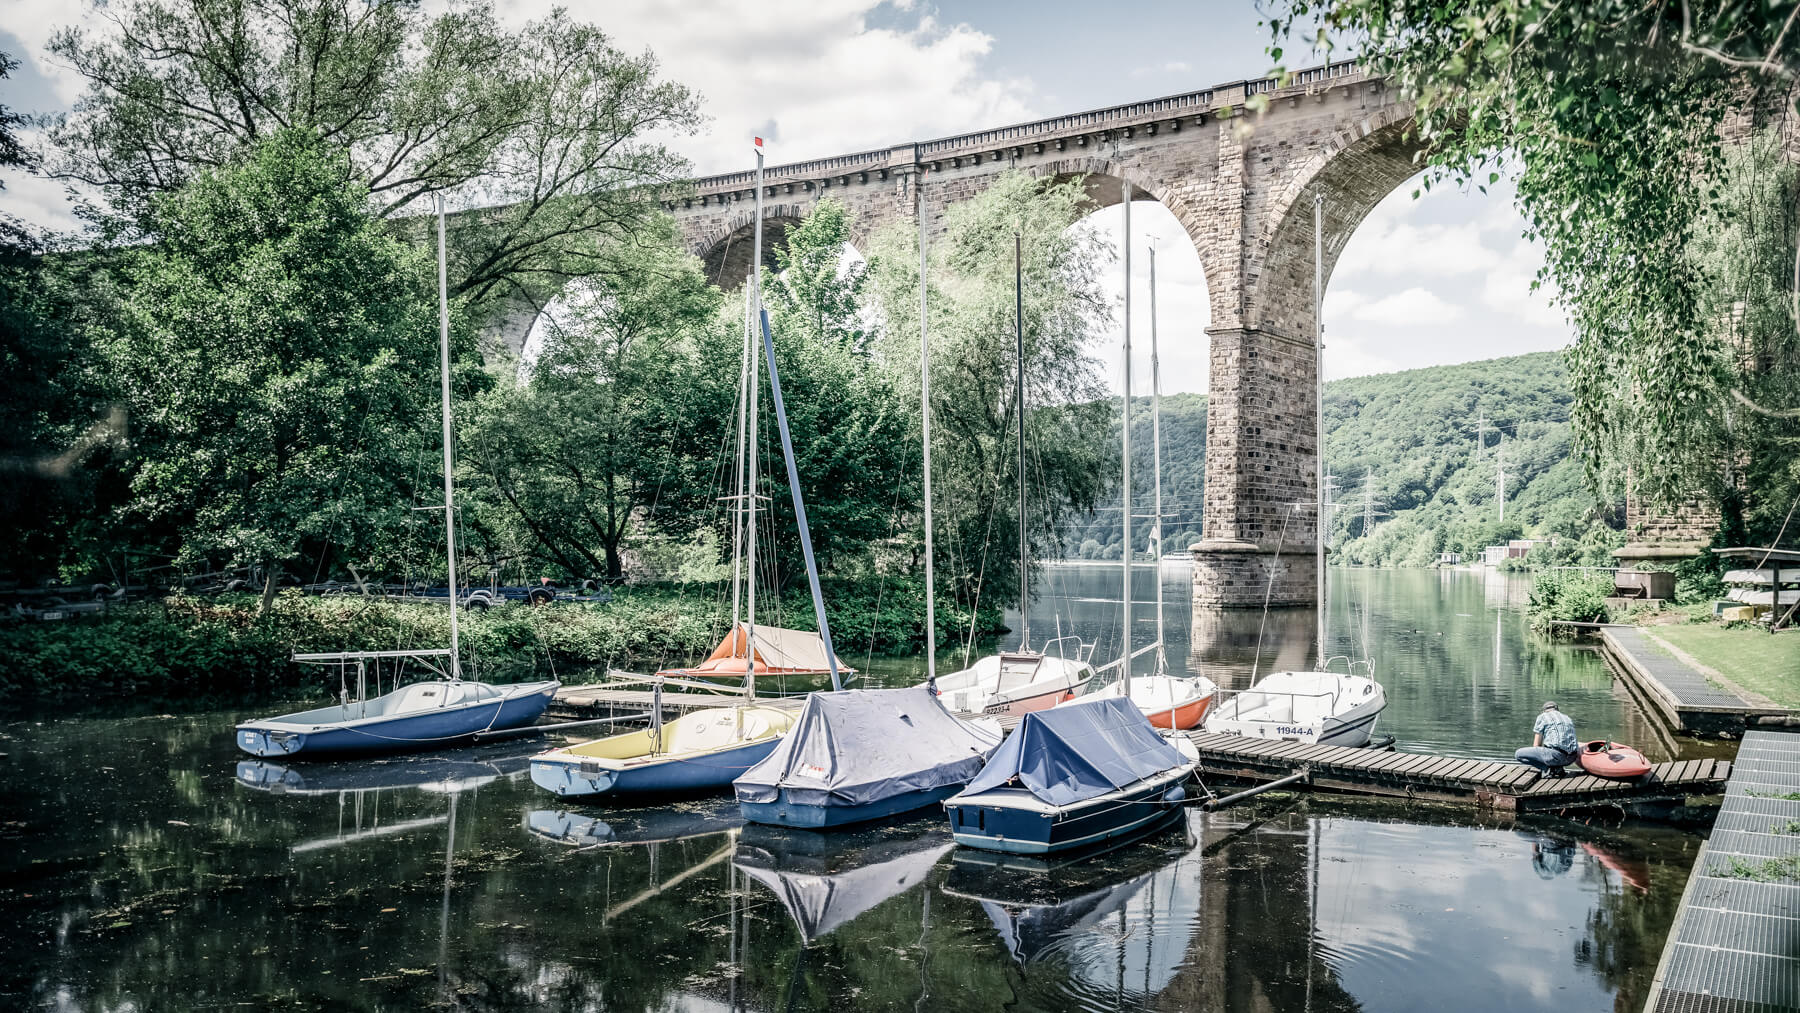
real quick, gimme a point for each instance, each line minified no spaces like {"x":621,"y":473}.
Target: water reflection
{"x":827,"y":880}
{"x":636,"y":825}
{"x":160,"y":874}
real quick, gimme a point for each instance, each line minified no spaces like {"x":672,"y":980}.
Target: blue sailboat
{"x":1073,"y":777}
{"x":435,"y":714}
{"x":861,"y":755}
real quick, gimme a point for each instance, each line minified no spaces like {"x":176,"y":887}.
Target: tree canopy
{"x":277,"y":352}
{"x":1615,"y":117}
{"x":549,"y":128}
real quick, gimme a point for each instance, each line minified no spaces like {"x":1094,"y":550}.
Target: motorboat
{"x":1015,"y":683}
{"x":860,"y":755}
{"x":1073,"y":777}
{"x":703,"y":750}
{"x":432,"y":714}
{"x":1326,"y":708}
{"x":1168,"y":701}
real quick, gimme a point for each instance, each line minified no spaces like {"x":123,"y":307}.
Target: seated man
{"x":1553,"y":745}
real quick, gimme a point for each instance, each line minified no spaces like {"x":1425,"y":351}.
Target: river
{"x":140,"y":874}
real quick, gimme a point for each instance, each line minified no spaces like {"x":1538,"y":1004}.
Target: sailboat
{"x":705,"y":750}
{"x":431,"y":714}
{"x":1168,"y":701}
{"x":1019,"y":681}
{"x":867,"y":754}
{"x":1322,"y":707}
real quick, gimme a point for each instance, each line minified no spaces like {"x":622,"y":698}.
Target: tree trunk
{"x":359,"y":581}
{"x":615,"y":565}
{"x":268,"y":595}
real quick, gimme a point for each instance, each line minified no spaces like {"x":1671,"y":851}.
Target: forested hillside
{"x":1411,"y":475}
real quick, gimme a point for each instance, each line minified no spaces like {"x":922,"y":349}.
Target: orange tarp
{"x":778,"y":652}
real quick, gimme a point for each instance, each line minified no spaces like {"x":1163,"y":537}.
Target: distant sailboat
{"x":423,"y":715}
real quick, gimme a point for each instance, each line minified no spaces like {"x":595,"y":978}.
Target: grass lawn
{"x":1753,"y":659}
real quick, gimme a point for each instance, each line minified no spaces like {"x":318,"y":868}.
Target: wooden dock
{"x":1735,"y":942}
{"x":1429,"y":777}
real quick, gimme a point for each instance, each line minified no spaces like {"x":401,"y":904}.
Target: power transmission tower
{"x":1500,"y":476}
{"x":1481,"y":428}
{"x":1370,"y":508}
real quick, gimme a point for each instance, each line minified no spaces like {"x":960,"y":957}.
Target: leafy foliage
{"x":548,"y":127}
{"x":974,"y":362}
{"x":275,"y":351}
{"x":1567,"y":596}
{"x":1615,"y":115}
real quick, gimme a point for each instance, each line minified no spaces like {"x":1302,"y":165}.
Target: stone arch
{"x":1361,"y":163}
{"x":725,"y":252}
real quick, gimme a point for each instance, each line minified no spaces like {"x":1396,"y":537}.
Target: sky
{"x":1423,"y":282}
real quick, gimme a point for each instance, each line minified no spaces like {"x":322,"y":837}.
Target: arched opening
{"x":726,"y":255}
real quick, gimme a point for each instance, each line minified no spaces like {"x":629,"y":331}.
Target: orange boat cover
{"x":778,"y":652}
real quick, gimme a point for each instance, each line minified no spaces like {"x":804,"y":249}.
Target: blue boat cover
{"x":1077,"y":751}
{"x":860,"y":746}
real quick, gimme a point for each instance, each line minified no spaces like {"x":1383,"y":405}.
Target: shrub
{"x":1567,"y":596}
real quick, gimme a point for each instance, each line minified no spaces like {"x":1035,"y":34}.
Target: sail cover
{"x":778,"y":652}
{"x":1077,"y":751}
{"x":863,"y":745}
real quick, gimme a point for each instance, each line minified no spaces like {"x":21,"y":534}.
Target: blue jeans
{"x":1544,"y":758}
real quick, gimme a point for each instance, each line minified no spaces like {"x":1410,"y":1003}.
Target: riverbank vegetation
{"x":229,"y":647}
{"x":230,"y":378}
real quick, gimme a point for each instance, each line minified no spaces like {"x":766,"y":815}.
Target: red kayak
{"x":1610,"y":759}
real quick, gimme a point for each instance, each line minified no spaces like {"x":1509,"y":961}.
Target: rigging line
{"x":1268,"y":591}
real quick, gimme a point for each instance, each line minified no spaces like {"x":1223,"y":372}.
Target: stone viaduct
{"x":1238,"y":165}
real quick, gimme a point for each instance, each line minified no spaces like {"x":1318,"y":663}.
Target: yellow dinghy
{"x":704,"y":750}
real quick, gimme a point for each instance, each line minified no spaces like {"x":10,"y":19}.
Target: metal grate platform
{"x":1735,"y":944}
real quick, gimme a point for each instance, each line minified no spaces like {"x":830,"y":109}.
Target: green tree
{"x":974,"y":363}
{"x":278,"y":353}
{"x":546,"y":126}
{"x":618,"y":428}
{"x":1614,"y":114}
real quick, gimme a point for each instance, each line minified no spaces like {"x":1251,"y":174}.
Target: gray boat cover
{"x":859,"y":746}
{"x":1078,"y":751}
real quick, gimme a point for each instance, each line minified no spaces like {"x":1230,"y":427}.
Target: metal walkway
{"x":1735,"y":944}
{"x":1434,"y":778}
{"x":1680,"y":694}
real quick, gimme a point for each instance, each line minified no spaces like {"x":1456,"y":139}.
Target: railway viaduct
{"x":1238,"y":164}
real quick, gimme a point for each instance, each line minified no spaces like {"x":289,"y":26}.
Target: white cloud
{"x":1410,"y":307}
{"x":1161,"y":69}
{"x":817,"y":76}
{"x":1391,"y":246}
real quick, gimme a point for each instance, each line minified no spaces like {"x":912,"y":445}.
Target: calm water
{"x":139,"y":874}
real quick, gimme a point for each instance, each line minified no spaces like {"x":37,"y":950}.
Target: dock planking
{"x":1433,"y":777}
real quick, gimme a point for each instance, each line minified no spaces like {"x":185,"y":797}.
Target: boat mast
{"x":449,"y":478}
{"x":737,"y":501}
{"x":1319,"y":396}
{"x":755,"y":297}
{"x":1156,"y":527}
{"x":793,"y":477}
{"x":1125,"y":653}
{"x":1019,"y":343}
{"x":925,"y":441}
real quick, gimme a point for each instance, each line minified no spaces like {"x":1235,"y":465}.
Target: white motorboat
{"x":1015,"y":682}
{"x":1168,"y":701}
{"x":1327,"y":708}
